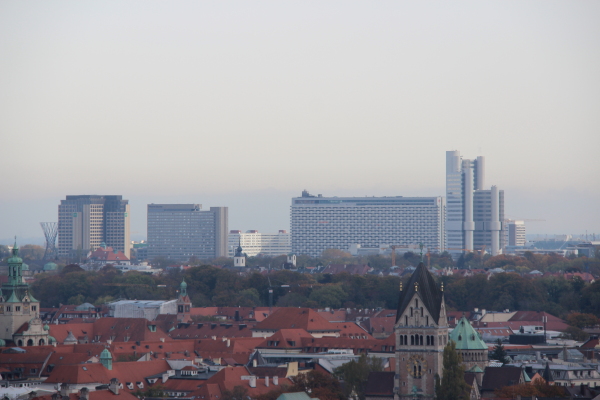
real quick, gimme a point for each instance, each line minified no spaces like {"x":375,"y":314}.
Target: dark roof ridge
{"x":430,"y":294}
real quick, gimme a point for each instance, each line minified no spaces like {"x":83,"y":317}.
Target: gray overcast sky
{"x":244,"y":104}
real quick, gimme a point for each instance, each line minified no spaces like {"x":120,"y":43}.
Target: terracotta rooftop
{"x":296,"y":318}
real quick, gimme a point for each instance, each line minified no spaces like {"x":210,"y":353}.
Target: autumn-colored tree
{"x":318,"y":384}
{"x":539,"y":388}
{"x":581,"y":320}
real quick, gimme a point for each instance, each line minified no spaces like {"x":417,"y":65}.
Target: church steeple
{"x":239,"y":260}
{"x":15,"y":264}
{"x":421,"y":282}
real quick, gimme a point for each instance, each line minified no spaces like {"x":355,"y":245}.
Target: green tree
{"x":452,"y":386}
{"x":329,"y":296}
{"x":499,"y":353}
{"x":354,"y":374}
{"x":237,"y":393}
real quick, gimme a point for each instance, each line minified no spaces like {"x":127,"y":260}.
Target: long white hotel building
{"x":319,"y":223}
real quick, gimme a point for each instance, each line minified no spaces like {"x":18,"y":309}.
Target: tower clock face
{"x":416,"y":366}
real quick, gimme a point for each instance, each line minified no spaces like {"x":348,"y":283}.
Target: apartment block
{"x":319,"y":223}
{"x":254,"y":243}
{"x":181,"y":231}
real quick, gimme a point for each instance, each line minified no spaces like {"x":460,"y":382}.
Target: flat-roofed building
{"x":87,"y":221}
{"x":181,"y":231}
{"x":319,"y":223}
{"x":256,"y":243}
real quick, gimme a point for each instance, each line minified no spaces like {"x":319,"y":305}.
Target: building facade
{"x":421,"y":331}
{"x":319,"y":223}
{"x":474,"y":214}
{"x":19,"y":311}
{"x":515,"y":233}
{"x":181,"y":231}
{"x":265,"y":244}
{"x":87,"y":221}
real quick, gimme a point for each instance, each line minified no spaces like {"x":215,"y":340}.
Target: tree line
{"x":212,"y":286}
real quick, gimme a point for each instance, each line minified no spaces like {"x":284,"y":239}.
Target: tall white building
{"x":473,"y":214}
{"x":515,"y":230}
{"x":319,"y":223}
{"x":87,"y":221}
{"x":254,"y":243}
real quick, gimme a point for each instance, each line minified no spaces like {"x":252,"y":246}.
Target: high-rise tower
{"x":473,"y":214}
{"x":85,"y":222}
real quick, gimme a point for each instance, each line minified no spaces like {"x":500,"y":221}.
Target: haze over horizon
{"x":246,"y":104}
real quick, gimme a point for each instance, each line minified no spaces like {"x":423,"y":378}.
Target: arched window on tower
{"x":421,"y":340}
{"x":412,"y":340}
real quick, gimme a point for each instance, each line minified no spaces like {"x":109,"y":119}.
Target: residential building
{"x":319,"y":223}
{"x":181,"y":231}
{"x":87,"y":221}
{"x":474,"y":215}
{"x":255,"y":243}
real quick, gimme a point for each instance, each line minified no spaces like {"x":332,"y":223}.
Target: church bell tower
{"x":421,"y":331}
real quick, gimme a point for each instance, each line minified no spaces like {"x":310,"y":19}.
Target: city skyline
{"x":245,"y":105}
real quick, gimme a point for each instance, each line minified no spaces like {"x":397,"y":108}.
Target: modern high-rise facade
{"x":319,"y":223}
{"x":87,"y":221}
{"x":266,"y":244}
{"x":515,"y":233}
{"x":473,"y":214}
{"x":181,"y":231}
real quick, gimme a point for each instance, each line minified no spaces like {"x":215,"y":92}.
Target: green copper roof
{"x":15,"y":259}
{"x":475,"y":368}
{"x":13,"y":298}
{"x":46,"y":327}
{"x":466,"y":338}
{"x":50,"y":266}
{"x":24,"y":267}
{"x":51,"y":339}
{"x":106,"y":354}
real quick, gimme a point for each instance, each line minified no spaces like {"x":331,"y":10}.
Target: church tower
{"x":421,"y":331}
{"x":19,"y":310}
{"x":184,"y":304}
{"x":239,"y":260}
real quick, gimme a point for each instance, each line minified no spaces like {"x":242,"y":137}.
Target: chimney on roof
{"x":228,"y":342}
{"x":254,"y":363}
{"x":84,"y":394}
{"x":252,"y":381}
{"x":275,"y":380}
{"x":64,"y":389}
{"x":113,"y":386}
{"x":266,"y":381}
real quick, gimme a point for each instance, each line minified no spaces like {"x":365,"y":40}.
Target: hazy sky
{"x":244,"y":104}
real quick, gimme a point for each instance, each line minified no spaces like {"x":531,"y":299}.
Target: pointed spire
{"x":421,"y":246}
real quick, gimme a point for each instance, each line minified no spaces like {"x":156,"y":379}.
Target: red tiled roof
{"x":228,"y":378}
{"x":96,"y":395}
{"x":285,"y":339}
{"x":334,"y":315}
{"x":349,"y":269}
{"x":296,"y":318}
{"x":205,"y":330}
